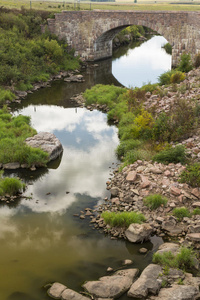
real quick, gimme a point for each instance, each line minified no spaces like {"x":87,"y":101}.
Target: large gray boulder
{"x":138,"y":232}
{"x":179,"y":292}
{"x":112,"y":286}
{"x":148,"y":282}
{"x":48,"y":142}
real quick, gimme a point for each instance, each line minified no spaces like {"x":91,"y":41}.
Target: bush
{"x":122,"y":219}
{"x":127,"y":145}
{"x":180,"y":213}
{"x":184,"y":260}
{"x":191,"y":175}
{"x":185,"y":64}
{"x":10,"y":186}
{"x":173,"y":76}
{"x":155,"y":201}
{"x":168,"y":48}
{"x":171,"y":155}
{"x":5,"y":95}
{"x":196,"y":211}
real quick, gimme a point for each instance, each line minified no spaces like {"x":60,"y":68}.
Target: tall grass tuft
{"x":122,"y":219}
{"x":155,"y":201}
{"x":10,"y":186}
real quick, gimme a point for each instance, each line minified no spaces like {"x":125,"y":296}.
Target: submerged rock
{"x":48,"y":142}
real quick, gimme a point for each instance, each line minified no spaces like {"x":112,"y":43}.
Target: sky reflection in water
{"x":143,"y":64}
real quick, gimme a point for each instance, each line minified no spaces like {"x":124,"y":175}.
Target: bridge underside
{"x":91,"y":33}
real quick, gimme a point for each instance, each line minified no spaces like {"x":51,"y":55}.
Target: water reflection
{"x":143,"y":64}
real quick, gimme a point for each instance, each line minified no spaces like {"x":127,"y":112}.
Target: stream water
{"x":41,"y":240}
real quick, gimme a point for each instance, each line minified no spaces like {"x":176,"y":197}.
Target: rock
{"x":143,"y":250}
{"x":175,"y":191}
{"x":138,"y":232}
{"x":21,"y":94}
{"x":56,"y":290}
{"x":166,"y":247}
{"x":109,"y":269}
{"x":145,"y":181}
{"x":48,"y":142}
{"x":11,"y":166}
{"x":114,"y":191}
{"x":112,"y":286}
{"x":196,"y":204}
{"x":72,"y":295}
{"x":127,"y":262}
{"x":194,"y":237}
{"x":131,"y":177}
{"x":178,"y":292}
{"x":147,"y":282}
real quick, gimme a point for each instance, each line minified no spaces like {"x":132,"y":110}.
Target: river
{"x":41,"y":239}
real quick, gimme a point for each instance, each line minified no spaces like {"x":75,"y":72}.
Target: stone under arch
{"x":90,"y":33}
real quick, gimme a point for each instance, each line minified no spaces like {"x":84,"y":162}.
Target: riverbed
{"x":41,"y":239}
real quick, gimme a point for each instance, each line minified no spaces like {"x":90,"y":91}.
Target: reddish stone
{"x":175,"y":191}
{"x":131,"y":176}
{"x":196,"y":192}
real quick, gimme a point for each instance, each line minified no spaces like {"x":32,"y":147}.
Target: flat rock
{"x":166,"y":247}
{"x":196,"y":204}
{"x":11,"y":166}
{"x":147,"y":282}
{"x":178,"y":292}
{"x":138,"y":232}
{"x":112,"y":286}
{"x":194,"y":237}
{"x":48,"y":142}
{"x":56,"y":290}
{"x":131,"y":177}
{"x":72,"y":295}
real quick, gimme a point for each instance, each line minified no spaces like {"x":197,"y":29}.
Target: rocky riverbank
{"x":155,"y":282}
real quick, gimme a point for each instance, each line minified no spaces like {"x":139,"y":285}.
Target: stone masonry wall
{"x":90,"y":33}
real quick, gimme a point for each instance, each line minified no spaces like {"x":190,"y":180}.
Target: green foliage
{"x":196,"y":211}
{"x":137,"y":154}
{"x":172,"y":76}
{"x":155,"y":201}
{"x":180,"y":213}
{"x":5,"y":95}
{"x":122,"y":219}
{"x":104,"y":94}
{"x":27,"y":55}
{"x":185,"y":64}
{"x":191,"y":175}
{"x":171,"y":155}
{"x":13,"y":132}
{"x":168,"y":48}
{"x":184,"y":260}
{"x":127,"y":145}
{"x":10,"y":186}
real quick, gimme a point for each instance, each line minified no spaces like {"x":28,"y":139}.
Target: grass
{"x":10,"y":186}
{"x":58,"y":6}
{"x":196,"y":211}
{"x":5,"y":95}
{"x":122,"y":219}
{"x":155,"y":201}
{"x":13,"y":132}
{"x":184,"y":260}
{"x":181,"y":212}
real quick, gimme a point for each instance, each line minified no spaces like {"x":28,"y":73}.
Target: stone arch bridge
{"x":90,"y":33}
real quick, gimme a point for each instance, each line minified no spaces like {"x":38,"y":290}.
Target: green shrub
{"x":155,"y":201}
{"x":122,"y":219}
{"x":138,"y":154}
{"x":10,"y":186}
{"x":171,"y":155}
{"x":191,"y":175}
{"x":180,"y":213}
{"x":185,"y":64}
{"x":168,"y":48}
{"x":5,"y":95}
{"x":184,"y":260}
{"x":196,"y":211}
{"x":173,"y":76}
{"x":127,"y":145}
